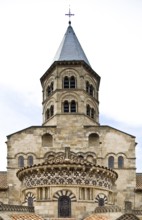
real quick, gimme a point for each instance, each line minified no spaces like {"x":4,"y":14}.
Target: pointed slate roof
{"x":70,"y":48}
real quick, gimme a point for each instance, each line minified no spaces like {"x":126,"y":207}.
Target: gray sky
{"x":110,"y":32}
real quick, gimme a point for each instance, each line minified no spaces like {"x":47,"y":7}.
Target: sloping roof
{"x":110,"y":208}
{"x":26,"y":216}
{"x":3,"y":180}
{"x":96,"y":217}
{"x":139,"y":181}
{"x":70,"y":48}
{"x":128,"y":216}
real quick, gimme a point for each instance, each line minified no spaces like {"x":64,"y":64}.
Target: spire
{"x":70,"y":48}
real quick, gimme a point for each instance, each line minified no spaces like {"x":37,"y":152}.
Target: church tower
{"x":70,"y":87}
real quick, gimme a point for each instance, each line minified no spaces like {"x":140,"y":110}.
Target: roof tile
{"x":26,"y":216}
{"x":139,"y":181}
{"x":3,"y":180}
{"x":70,"y":48}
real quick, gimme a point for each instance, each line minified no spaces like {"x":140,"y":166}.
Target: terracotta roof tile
{"x":139,"y":181}
{"x":26,"y":217}
{"x":96,"y":217}
{"x":128,"y":216}
{"x":3,"y":180}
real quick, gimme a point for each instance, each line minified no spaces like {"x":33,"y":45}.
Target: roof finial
{"x":69,"y":14}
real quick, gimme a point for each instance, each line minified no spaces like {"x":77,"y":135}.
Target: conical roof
{"x":70,"y":48}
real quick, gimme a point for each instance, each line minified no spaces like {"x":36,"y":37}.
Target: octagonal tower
{"x":70,"y":86}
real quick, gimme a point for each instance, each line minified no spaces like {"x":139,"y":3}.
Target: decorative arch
{"x":69,"y":97}
{"x":64,"y":193}
{"x":101,"y":199}
{"x":90,"y":158}
{"x":49,"y":156}
{"x":30,"y":198}
{"x":49,"y":103}
{"x":69,"y":78}
{"x":47,"y":140}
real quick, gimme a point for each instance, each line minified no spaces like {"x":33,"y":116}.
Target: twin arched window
{"x":69,"y":82}
{"x":69,"y":106}
{"x":21,"y":161}
{"x":50,"y":112}
{"x":50,"y":89}
{"x":120,"y":162}
{"x":89,"y":88}
{"x":90,"y":111}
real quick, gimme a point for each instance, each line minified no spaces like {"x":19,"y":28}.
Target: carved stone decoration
{"x":68,"y":193}
{"x":101,"y":199}
{"x":67,"y":169}
{"x":29,"y":194}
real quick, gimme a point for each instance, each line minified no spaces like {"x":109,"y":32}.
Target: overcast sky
{"x":110,"y":32}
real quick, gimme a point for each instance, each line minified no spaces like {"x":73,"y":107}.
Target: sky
{"x":110,"y":32}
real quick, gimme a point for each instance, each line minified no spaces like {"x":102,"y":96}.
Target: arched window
{"x":120,"y":162}
{"x":47,"y":114}
{"x":47,"y":140}
{"x":66,"y":82}
{"x":91,"y":90}
{"x":30,"y":160}
{"x":51,"y":110}
{"x":20,"y":161}
{"x":88,"y":110}
{"x":30,"y":201}
{"x":48,"y":90}
{"x":92,"y":113}
{"x":66,"y":106}
{"x":111,"y":162}
{"x":72,"y":82}
{"x":73,"y":106}
{"x":87,"y":86}
{"x":93,"y":140}
{"x":52,"y":87}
